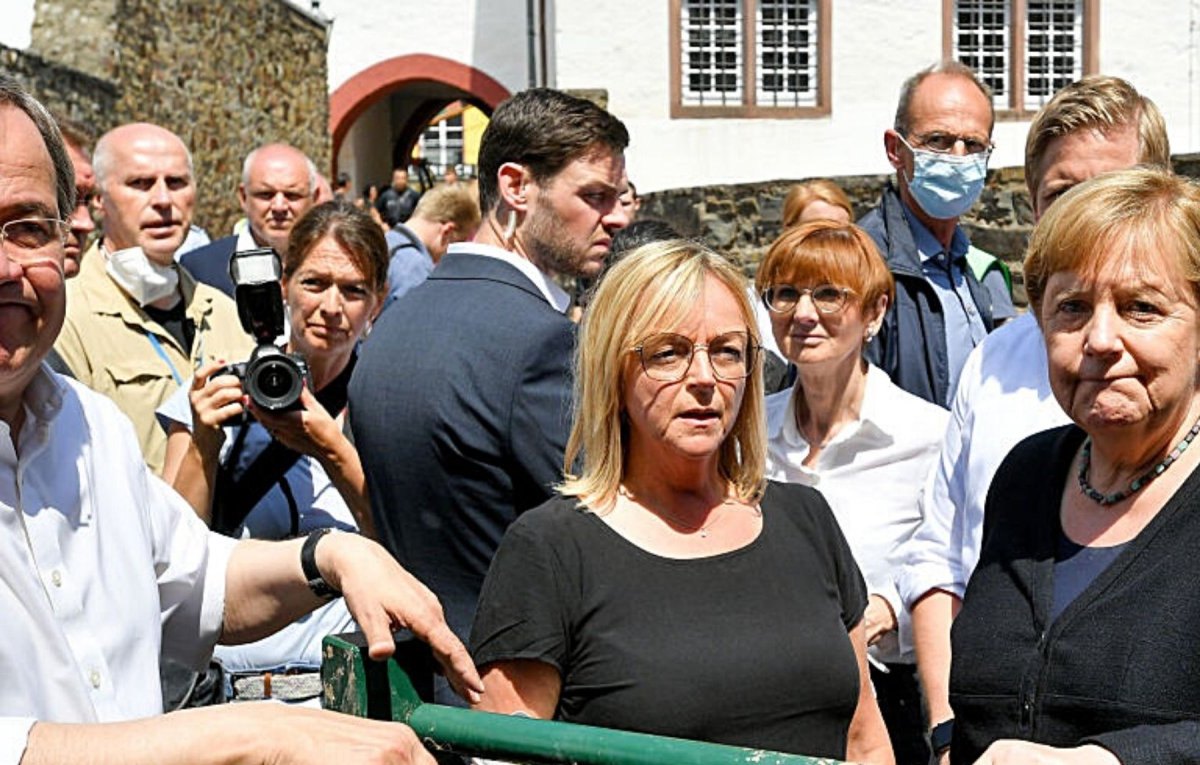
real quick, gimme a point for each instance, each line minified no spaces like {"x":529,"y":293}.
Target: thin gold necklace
{"x":677,"y":522}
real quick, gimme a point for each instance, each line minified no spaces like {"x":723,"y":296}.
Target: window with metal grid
{"x":1053,"y":48}
{"x":1024,"y":51}
{"x":712,"y":51}
{"x":981,"y":41}
{"x":786,"y":61}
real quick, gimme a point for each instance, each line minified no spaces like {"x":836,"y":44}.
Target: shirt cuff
{"x":917,"y":580}
{"x":212,"y":615}
{"x":14,"y":735}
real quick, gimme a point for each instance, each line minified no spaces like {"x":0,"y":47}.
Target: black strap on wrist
{"x":941,"y":735}
{"x":308,"y":564}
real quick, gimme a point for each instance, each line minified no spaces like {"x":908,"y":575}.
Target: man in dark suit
{"x":460,"y":402}
{"x":279,"y":184}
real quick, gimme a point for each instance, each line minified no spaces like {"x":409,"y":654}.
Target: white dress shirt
{"x":102,"y":566}
{"x":871,"y":473}
{"x":556,"y":296}
{"x":1003,"y":397}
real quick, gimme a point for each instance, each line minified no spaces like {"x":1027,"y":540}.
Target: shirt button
{"x":95,"y":678}
{"x":56,"y":577}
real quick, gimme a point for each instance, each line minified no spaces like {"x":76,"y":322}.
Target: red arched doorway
{"x":433,"y":81}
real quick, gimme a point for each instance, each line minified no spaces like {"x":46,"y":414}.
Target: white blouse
{"x":872,"y":474}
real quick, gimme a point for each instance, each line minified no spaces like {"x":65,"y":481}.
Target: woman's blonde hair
{"x":803,"y":194}
{"x":1116,"y":215}
{"x":652,"y":289}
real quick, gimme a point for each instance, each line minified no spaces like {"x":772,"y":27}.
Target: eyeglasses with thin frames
{"x":34,"y":241}
{"x":944,"y":143}
{"x":828,"y":298}
{"x":667,"y":357}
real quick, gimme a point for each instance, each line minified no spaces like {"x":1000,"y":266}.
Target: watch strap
{"x":308,"y":564}
{"x":941,"y":735}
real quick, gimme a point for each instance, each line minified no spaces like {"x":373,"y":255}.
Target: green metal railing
{"x":357,"y":685}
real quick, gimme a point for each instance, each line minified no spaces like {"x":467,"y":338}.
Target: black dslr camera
{"x":271,"y":377}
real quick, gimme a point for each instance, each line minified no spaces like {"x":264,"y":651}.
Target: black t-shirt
{"x":748,"y":647}
{"x":175,"y":321}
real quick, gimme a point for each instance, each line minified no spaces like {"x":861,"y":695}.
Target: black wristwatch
{"x":940,"y":736}
{"x":308,"y":564}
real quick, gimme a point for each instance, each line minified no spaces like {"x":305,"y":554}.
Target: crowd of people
{"x":861,"y":508}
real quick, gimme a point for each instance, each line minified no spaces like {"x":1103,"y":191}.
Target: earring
{"x":869,"y":336}
{"x":510,"y":229}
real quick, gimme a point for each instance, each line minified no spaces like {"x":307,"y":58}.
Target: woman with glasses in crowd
{"x":670,"y":589}
{"x":845,"y":429}
{"x":334,"y":281}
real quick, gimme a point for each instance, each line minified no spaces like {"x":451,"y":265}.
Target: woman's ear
{"x":874,"y":315}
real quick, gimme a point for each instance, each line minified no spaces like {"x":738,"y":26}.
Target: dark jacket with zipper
{"x":911,"y":344}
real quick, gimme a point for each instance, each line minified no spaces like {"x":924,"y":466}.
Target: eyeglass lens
{"x":33,"y":239}
{"x":667,"y":357}
{"x":783,"y":297}
{"x":944,"y":143}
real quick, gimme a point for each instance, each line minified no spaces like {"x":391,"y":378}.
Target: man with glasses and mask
{"x":939,"y":146}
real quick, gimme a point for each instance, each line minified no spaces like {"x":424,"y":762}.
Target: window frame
{"x":1016,"y":53}
{"x":749,"y":107}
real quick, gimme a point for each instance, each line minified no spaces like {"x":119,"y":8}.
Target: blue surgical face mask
{"x":946,"y":185}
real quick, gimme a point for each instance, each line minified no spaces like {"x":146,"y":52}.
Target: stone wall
{"x":225,"y":76}
{"x":88,"y":100}
{"x":742,"y":220}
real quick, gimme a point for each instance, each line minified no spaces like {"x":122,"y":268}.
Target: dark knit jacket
{"x":1120,"y":667}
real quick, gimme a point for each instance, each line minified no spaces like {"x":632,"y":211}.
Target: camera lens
{"x":275,"y":382}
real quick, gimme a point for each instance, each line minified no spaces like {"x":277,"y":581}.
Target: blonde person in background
{"x":818,"y":199}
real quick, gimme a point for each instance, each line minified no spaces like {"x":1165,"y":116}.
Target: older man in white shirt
{"x":103,"y":567}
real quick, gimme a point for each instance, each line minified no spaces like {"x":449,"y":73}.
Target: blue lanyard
{"x":162,"y":354}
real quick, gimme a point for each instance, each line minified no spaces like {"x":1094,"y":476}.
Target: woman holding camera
{"x":276,"y":475}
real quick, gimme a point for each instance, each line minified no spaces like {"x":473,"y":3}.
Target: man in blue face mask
{"x":939,"y":145}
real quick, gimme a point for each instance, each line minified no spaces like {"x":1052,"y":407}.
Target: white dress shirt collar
{"x":558,"y":299}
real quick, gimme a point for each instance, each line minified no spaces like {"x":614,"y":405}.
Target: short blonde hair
{"x":803,"y":194}
{"x":825,"y":251}
{"x":652,"y":289}
{"x":1096,"y":102}
{"x":449,"y":204}
{"x":1121,"y":214}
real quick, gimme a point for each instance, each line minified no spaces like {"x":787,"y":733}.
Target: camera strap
{"x":238,"y":491}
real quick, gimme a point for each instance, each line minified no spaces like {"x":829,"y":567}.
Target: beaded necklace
{"x":1104,"y":500}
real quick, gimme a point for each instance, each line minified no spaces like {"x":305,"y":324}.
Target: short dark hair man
{"x":1095,"y":125}
{"x":279,"y":184}
{"x":939,"y":145}
{"x":397,"y":202}
{"x":103,"y":569}
{"x":460,"y":403}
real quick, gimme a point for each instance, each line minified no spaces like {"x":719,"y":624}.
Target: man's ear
{"x":242,"y":195}
{"x":894,"y":148}
{"x":512,"y":181}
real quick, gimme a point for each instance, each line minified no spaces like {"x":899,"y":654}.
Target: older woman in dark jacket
{"x":1077,"y":638}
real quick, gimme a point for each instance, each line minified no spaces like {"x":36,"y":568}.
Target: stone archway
{"x":433,"y":81}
